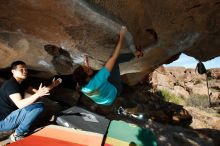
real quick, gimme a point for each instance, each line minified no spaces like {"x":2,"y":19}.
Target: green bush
{"x":198,"y":82}
{"x":170,"y":97}
{"x":198,"y":100}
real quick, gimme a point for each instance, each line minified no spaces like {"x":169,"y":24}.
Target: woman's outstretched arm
{"x":111,"y":61}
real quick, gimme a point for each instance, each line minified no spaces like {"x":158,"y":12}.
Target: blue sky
{"x":190,"y":62}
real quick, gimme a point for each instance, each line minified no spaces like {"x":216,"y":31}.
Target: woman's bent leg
{"x":115,"y":77}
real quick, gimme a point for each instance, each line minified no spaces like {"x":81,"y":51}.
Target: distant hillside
{"x":187,"y":83}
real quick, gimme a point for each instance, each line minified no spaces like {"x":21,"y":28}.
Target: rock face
{"x":52,"y":36}
{"x":187,"y":83}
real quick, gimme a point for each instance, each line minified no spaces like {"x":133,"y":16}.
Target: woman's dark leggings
{"x":115,"y":77}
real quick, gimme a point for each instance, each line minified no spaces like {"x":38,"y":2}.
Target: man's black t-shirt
{"x":9,"y":87}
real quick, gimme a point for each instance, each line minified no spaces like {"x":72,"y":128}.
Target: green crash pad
{"x":121,"y":133}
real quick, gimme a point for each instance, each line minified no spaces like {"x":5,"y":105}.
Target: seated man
{"x":17,"y":112}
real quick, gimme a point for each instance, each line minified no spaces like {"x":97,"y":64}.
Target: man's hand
{"x":42,"y":91}
{"x":56,"y":82}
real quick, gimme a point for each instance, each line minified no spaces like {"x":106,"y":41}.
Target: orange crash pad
{"x":54,"y":135}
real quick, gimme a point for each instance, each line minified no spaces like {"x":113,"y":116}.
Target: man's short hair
{"x":16,"y":63}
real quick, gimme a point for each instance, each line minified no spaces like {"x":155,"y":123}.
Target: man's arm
{"x":20,"y":102}
{"x":111,"y":61}
{"x":55,"y":82}
{"x":31,"y":90}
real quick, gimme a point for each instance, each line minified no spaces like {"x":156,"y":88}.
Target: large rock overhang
{"x":52,"y":36}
